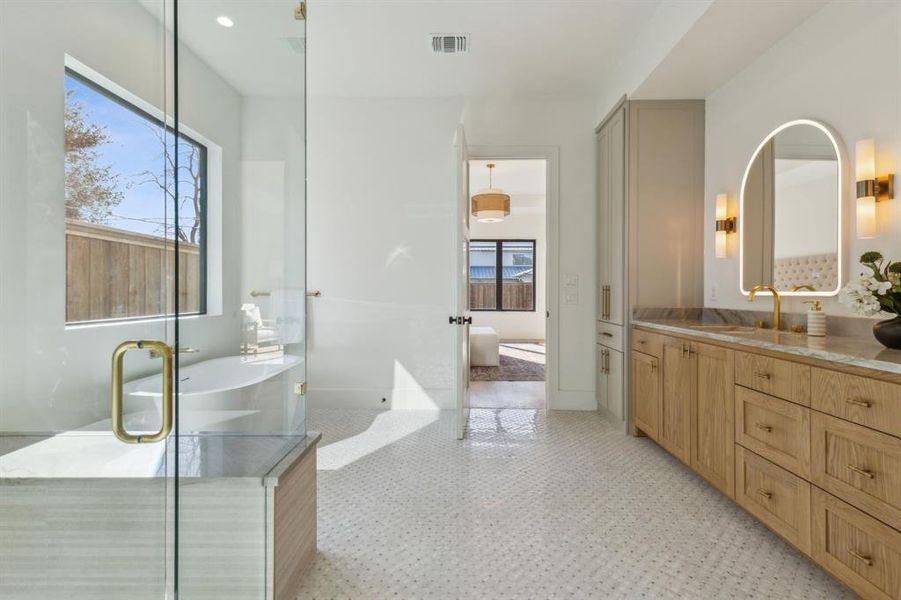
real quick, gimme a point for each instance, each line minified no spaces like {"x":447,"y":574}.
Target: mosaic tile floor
{"x":530,"y":505}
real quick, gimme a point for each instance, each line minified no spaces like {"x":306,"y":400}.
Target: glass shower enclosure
{"x":152,"y":293}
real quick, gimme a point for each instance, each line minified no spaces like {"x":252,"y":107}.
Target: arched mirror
{"x":791,"y":212}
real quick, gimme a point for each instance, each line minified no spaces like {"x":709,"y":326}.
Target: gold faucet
{"x":777,"y":302}
{"x":798,"y":288}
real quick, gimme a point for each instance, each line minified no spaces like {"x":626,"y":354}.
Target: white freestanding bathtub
{"x":233,"y":393}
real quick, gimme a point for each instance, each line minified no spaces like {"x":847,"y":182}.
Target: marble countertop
{"x":98,"y":455}
{"x":853,"y":351}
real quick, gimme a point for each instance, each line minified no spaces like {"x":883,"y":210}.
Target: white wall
{"x":825,"y":70}
{"x":528,"y":224}
{"x":381,"y":205}
{"x":53,"y":377}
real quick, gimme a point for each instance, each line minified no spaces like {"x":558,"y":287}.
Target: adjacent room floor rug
{"x":519,"y":362}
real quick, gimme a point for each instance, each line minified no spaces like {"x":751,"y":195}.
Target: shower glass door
{"x":89,"y":293}
{"x":242,"y":305}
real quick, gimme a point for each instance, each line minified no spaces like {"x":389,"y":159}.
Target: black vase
{"x":888,"y":333}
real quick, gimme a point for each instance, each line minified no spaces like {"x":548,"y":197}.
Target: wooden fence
{"x":517,"y":295}
{"x":116,"y":274}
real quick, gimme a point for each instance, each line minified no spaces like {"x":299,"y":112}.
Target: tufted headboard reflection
{"x":819,"y":271}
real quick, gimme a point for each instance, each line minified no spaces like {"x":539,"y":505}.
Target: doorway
{"x":508,"y":287}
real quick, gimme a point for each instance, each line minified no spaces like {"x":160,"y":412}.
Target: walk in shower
{"x":152,"y":294}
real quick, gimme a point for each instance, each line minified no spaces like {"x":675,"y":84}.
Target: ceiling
{"x":548,"y":47}
{"x":258,"y":56}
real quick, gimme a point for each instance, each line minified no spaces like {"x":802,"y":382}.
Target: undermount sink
{"x":724,"y":328}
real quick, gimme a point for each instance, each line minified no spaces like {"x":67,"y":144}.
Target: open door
{"x":461,"y":286}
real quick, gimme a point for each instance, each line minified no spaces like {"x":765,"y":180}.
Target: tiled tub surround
{"x":804,"y":434}
{"x":73,"y":504}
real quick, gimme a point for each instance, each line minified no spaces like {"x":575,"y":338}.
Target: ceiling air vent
{"x":450,"y":43}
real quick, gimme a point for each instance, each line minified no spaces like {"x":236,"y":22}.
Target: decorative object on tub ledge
{"x":879,"y":292}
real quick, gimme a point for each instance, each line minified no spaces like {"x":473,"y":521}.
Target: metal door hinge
{"x":300,"y":389}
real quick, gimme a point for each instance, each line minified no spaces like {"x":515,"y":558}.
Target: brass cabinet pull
{"x":859,"y":402}
{"x":165,"y":352}
{"x":861,"y":557}
{"x":762,"y":375}
{"x":865,"y":472}
{"x":653,"y":366}
{"x":765,"y":494}
{"x":763,"y":427}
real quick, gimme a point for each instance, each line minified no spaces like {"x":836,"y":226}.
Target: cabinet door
{"x":645,"y":393}
{"x":679,"y":379}
{"x":602,"y":226}
{"x":615,"y":388}
{"x":616,"y":191}
{"x":601,"y":384}
{"x":713,"y":417}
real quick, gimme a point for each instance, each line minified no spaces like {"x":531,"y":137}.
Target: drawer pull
{"x":642,"y":342}
{"x":762,"y":375}
{"x":607,"y":333}
{"x":865,"y":472}
{"x":765,"y":494}
{"x":862,"y":558}
{"x":858,"y":402}
{"x":653,"y":366}
{"x":763,"y":427}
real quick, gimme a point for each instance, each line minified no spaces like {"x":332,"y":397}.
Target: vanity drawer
{"x":610,"y":336}
{"x":781,"y":500}
{"x":859,"y":465}
{"x":866,"y":401}
{"x":780,"y":378}
{"x":856,"y":548}
{"x":646,"y":342}
{"x":775,"y":429}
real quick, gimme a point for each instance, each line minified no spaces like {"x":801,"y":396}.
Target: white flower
{"x":880,"y":287}
{"x":860,"y":297}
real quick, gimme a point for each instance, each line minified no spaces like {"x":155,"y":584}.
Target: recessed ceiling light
{"x":224,"y":21}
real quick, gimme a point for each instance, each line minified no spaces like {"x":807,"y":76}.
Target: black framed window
{"x":120,"y":170}
{"x":502,"y":275}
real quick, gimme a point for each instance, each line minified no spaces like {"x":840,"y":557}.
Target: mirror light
{"x":870,"y":188}
{"x":225,"y":21}
{"x":724,"y":225}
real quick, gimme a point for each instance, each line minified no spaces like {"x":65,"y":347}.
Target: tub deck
{"x":85,"y":509}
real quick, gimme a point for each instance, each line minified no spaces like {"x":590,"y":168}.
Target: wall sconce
{"x":724,"y":225}
{"x":870,"y":189}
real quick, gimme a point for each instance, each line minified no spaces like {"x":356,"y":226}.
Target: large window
{"x":121,"y":210}
{"x":502,"y":275}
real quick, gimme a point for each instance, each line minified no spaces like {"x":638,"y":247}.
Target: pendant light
{"x":491,"y":205}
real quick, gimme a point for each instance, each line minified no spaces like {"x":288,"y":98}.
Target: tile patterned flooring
{"x":506,"y":394}
{"x":532,"y":504}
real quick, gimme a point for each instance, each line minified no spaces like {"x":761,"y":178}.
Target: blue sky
{"x":133,"y":148}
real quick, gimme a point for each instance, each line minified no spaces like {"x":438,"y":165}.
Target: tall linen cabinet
{"x":650,"y":215}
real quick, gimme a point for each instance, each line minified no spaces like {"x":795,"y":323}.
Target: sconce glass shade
{"x":866,"y":218}
{"x":865,"y":160}
{"x":720,"y":240}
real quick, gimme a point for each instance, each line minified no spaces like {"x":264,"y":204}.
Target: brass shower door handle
{"x":165,"y":352}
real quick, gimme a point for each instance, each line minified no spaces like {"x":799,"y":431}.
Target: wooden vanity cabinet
{"x":811,"y":450}
{"x":712,"y":416}
{"x":646,"y":393}
{"x":685,"y":401}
